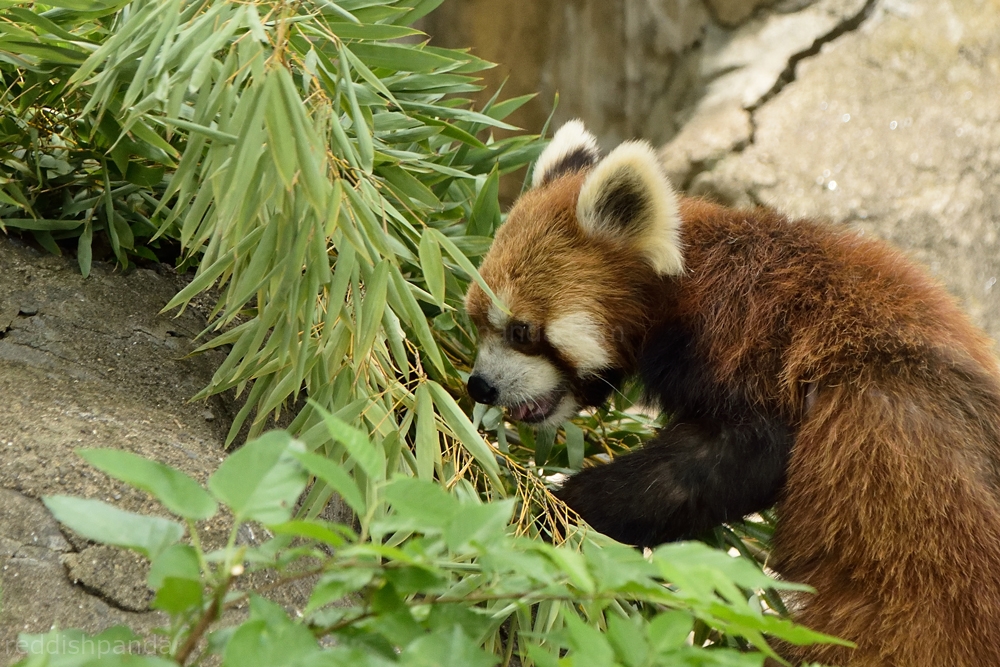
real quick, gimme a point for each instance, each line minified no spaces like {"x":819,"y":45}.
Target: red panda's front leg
{"x":685,"y":481}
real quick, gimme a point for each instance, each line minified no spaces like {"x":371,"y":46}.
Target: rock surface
{"x":894,"y":129}
{"x":739,"y":69}
{"x":89,"y":363}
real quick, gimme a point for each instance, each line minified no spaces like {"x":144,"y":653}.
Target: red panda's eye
{"x":519,"y":334}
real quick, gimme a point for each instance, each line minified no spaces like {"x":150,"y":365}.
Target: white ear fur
{"x":627,"y":195}
{"x":572,"y":148}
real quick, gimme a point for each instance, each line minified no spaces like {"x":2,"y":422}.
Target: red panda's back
{"x":890,"y":508}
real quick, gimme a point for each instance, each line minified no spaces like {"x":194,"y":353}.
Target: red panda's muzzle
{"x":536,"y":410}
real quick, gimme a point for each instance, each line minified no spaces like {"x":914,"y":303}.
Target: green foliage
{"x":335,"y":190}
{"x":445,"y":581}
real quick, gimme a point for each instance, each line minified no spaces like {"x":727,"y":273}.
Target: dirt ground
{"x":92,"y":363}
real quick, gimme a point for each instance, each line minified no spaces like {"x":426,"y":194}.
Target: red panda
{"x":802,"y":366}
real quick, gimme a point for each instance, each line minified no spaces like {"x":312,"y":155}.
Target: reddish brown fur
{"x":890,"y":510}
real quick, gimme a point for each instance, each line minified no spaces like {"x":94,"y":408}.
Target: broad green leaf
{"x":480,"y":525}
{"x":669,"y":630}
{"x":91,"y":650}
{"x":626,"y":637}
{"x":334,"y":585}
{"x":590,"y":648}
{"x":573,"y":564}
{"x":269,"y":638}
{"x":262,"y":480}
{"x":179,"y":493}
{"x":426,"y":504}
{"x":177,"y":595}
{"x":449,"y":648}
{"x":312,"y":529}
{"x":104,"y":523}
{"x":370,"y":458}
{"x":338,"y":479}
{"x":179,"y":561}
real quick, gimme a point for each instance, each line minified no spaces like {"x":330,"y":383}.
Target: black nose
{"x":482,"y":391}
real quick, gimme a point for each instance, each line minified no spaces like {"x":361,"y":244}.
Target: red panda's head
{"x":576,"y":265}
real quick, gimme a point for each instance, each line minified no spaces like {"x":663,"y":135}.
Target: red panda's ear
{"x":572,"y":148}
{"x":628,"y":196}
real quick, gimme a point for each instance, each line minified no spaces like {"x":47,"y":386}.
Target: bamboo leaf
{"x":371,"y":32}
{"x":433,"y":267}
{"x":280,"y":139}
{"x":486,"y":211}
{"x":372,"y":307}
{"x":574,"y":445}
{"x":466,"y":434}
{"x":365,"y":150}
{"x":84,"y":249}
{"x":405,"y":302}
{"x":399,"y":57}
{"x":467,"y":266}
{"x":428,"y":444}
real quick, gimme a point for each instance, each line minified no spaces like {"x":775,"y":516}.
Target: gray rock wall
{"x":893,"y":129}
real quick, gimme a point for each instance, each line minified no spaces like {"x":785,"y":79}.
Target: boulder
{"x":892,"y":129}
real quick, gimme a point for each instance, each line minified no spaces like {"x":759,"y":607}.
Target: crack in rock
{"x":745,"y":68}
{"x":787,"y":76}
{"x":115,"y":576}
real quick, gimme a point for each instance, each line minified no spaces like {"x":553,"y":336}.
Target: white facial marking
{"x":567,"y":409}
{"x":496,"y":317}
{"x":580,"y":338}
{"x":518,"y":377}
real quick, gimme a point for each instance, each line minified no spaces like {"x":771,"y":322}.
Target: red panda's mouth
{"x":536,"y":409}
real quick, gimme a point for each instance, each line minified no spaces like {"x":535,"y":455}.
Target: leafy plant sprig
{"x":445,"y":581}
